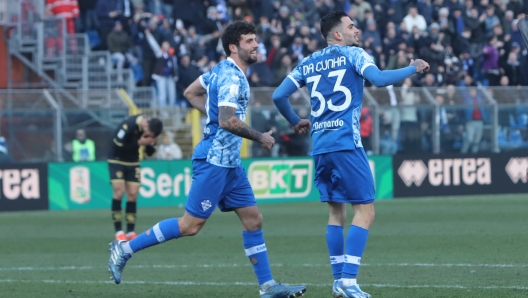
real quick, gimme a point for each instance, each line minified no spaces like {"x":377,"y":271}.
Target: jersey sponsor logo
{"x":206,"y":204}
{"x":516,"y":169}
{"x":446,"y":172}
{"x":281,"y":179}
{"x":327,"y":125}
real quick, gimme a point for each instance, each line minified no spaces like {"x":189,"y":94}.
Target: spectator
{"x":425,"y":8}
{"x":107,"y":15}
{"x":507,"y":21}
{"x":87,"y":16}
{"x":286,"y":66}
{"x":297,"y":49}
{"x":188,"y":73}
{"x":365,"y":122}
{"x":371,"y":33}
{"x":512,"y":70}
{"x":490,"y":20}
{"x":474,"y":22}
{"x":4,"y":156}
{"x":259,"y":73}
{"x":62,"y":9}
{"x":515,"y":6}
{"x":119,"y":44}
{"x":284,"y":17}
{"x":490,"y":63}
{"x":413,"y":19}
{"x":165,"y":71}
{"x":409,"y":128}
{"x":211,"y":29}
{"x":457,"y":22}
{"x":178,"y":42}
{"x":83,"y":149}
{"x":50,"y":155}
{"x":168,"y":149}
{"x":474,"y":117}
{"x":149,"y":57}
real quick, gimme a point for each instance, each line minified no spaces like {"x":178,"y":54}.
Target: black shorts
{"x":124,"y":171}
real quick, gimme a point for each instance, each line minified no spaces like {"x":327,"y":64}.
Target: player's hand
{"x":302,"y":127}
{"x":421,"y":66}
{"x":146,"y":140}
{"x":267,"y":141}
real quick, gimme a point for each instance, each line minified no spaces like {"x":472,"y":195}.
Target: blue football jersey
{"x":226,"y":85}
{"x":334,"y":78}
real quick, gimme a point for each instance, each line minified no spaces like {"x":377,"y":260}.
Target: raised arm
{"x":153,"y":43}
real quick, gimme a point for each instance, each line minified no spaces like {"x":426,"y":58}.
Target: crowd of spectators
{"x":476,"y":38}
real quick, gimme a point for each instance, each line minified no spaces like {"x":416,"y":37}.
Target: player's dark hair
{"x":330,"y":21}
{"x":233,"y":34}
{"x":155,"y":126}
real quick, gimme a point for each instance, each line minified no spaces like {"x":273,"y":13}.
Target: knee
{"x":371,"y":215}
{"x":118,"y":194}
{"x":255,"y":223}
{"x":190,"y":229}
{"x":132,"y":196}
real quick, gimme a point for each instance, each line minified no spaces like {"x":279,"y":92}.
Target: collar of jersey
{"x":233,"y":61}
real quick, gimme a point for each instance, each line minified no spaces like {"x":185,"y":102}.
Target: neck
{"x":334,"y":42}
{"x":242,"y":64}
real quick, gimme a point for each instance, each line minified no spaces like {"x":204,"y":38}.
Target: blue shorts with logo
{"x":227,"y":188}
{"x":344,"y":177}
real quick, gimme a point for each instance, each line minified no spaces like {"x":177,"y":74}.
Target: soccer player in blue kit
{"x":334,"y":77}
{"x":222,"y":94}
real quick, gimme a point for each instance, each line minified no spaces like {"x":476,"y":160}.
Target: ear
{"x":233,"y":48}
{"x":337,"y":35}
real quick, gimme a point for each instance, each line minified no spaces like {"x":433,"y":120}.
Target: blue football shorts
{"x":344,"y":177}
{"x":227,"y":188}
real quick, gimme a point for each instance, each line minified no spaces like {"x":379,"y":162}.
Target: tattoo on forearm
{"x":229,"y":121}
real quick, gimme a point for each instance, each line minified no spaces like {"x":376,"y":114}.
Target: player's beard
{"x":246,"y":56}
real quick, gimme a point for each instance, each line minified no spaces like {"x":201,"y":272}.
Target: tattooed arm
{"x":230,"y":122}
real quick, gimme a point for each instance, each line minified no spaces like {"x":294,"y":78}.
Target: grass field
{"x":444,"y":247}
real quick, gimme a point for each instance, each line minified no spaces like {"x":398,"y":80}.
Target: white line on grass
{"x":193,"y":283}
{"x":60,"y":268}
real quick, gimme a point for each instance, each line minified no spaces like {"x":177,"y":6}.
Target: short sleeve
{"x":359,"y":59}
{"x":229,"y":87}
{"x":296,"y":76}
{"x":205,"y":79}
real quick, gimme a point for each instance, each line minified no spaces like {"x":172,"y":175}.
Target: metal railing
{"x":434,"y":118}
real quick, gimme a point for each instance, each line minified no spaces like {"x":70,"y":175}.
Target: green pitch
{"x":445,"y":247}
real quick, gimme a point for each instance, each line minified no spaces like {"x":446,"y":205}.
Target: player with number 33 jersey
{"x":334,"y":77}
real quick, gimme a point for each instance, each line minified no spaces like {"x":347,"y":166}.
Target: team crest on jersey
{"x":206,"y":204}
{"x":233,"y":90}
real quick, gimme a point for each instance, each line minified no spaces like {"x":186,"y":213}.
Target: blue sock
{"x":355,"y":245}
{"x":335,"y":240}
{"x":258,"y":256}
{"x":164,"y":230}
